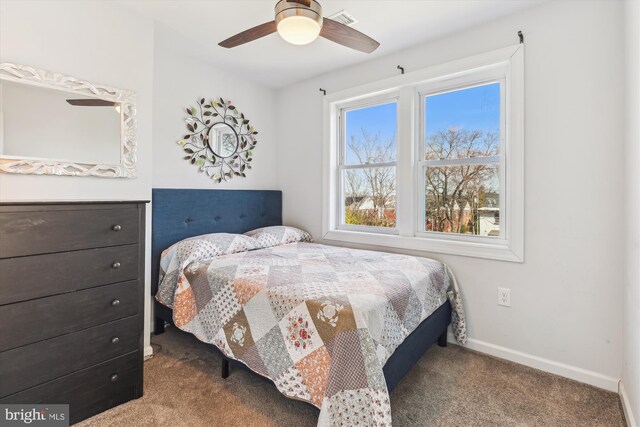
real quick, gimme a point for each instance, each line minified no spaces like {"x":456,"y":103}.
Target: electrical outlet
{"x":504,"y":297}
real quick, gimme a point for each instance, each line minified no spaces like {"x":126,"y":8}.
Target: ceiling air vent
{"x":344,"y":17}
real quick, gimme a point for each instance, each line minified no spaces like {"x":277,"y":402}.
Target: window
{"x":430,"y":160}
{"x":461,"y":160}
{"x":368,"y":166}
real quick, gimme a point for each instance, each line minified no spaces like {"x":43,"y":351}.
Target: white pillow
{"x":278,"y":235}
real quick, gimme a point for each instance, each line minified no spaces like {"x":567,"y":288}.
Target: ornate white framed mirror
{"x":55,"y":124}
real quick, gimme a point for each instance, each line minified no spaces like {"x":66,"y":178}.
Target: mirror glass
{"x":43,"y":123}
{"x":223,"y":139}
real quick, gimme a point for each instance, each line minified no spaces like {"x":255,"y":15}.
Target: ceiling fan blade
{"x":90,"y":103}
{"x":250,"y":35}
{"x":302,"y":2}
{"x":347,"y":36}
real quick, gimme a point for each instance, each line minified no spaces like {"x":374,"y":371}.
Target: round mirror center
{"x":222,"y":139}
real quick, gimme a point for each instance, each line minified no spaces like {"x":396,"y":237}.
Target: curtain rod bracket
{"x":401,"y":69}
{"x":324,"y":92}
{"x":521,"y":37}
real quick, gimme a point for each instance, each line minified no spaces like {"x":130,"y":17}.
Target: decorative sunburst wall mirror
{"x":220,"y":141}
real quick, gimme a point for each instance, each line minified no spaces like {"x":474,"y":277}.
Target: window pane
{"x":370,"y":196}
{"x":370,"y":134}
{"x":463,"y":123}
{"x":463,"y":200}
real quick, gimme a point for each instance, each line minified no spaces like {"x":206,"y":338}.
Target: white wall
{"x":631,"y":365}
{"x":565,"y":315}
{"x":79,"y":38}
{"x":180,"y":81}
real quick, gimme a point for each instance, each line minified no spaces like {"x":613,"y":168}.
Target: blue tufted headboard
{"x":179,"y":213}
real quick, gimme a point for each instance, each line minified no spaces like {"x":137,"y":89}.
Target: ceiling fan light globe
{"x":299,"y":30}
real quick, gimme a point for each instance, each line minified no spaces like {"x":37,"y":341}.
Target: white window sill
{"x":494,"y":251}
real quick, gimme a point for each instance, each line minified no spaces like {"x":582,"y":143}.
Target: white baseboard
{"x":148,"y":351}
{"x":626,"y":406}
{"x":572,"y":372}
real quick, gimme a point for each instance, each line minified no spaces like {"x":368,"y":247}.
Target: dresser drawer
{"x":34,"y":364}
{"x":91,"y":390}
{"x":27,"y":322}
{"x":25,"y":278}
{"x":38,"y":232}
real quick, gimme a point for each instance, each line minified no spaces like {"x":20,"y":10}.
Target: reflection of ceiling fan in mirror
{"x":90,"y":103}
{"x":300,"y":22}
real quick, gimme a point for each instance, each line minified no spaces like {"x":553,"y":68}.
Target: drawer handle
{"x":114,"y":378}
{"x":115,"y":340}
{"x":115,"y":265}
{"x":116,"y":227}
{"x":115,"y":302}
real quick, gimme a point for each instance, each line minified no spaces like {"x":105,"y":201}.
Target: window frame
{"x":509,"y":63}
{"x":371,"y":101}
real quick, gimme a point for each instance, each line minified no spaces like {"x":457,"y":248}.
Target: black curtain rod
{"x":520,"y":37}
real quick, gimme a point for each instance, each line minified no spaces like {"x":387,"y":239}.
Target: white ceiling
{"x":198,"y":26}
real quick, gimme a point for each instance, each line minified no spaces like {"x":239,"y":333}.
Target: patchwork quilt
{"x":319,"y":321}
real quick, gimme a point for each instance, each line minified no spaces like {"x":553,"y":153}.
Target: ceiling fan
{"x":300,"y":22}
{"x":90,"y":103}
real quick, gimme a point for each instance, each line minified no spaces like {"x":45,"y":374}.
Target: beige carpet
{"x":448,"y":387}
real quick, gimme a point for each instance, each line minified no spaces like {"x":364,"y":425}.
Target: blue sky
{"x":476,"y":108}
{"x":379,"y":118}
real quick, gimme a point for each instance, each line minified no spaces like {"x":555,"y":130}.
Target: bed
{"x":329,"y":369}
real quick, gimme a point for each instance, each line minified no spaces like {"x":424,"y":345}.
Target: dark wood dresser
{"x":72,"y":304}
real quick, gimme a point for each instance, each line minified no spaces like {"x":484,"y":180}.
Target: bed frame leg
{"x":442,"y":339}
{"x":158,"y":326}
{"x":225,"y":368}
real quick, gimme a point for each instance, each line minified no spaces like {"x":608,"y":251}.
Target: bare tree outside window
{"x":457,"y":196}
{"x":369,"y":177}
{"x":370,"y":192}
{"x":461,"y":162}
